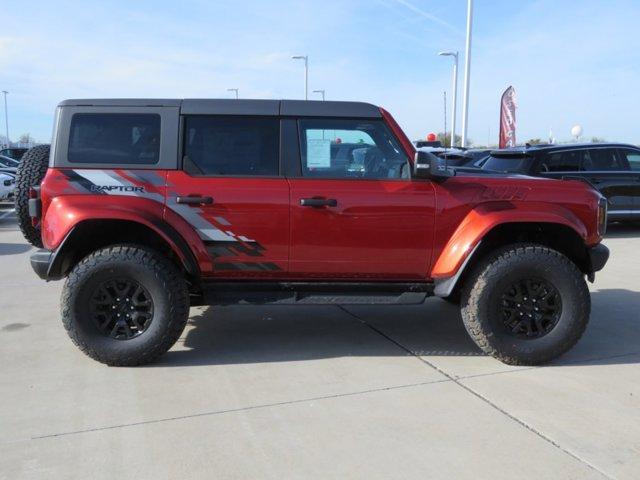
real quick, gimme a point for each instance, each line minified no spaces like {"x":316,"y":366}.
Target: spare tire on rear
{"x":31,"y":171}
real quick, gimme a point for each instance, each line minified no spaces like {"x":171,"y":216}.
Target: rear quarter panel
{"x":71,"y":196}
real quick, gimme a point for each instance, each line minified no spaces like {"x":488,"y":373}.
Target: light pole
{"x":467,"y":74}
{"x":454,"y":94}
{"x":6,"y":117}
{"x":306,"y":73}
{"x":320,"y":92}
{"x":233,"y":90}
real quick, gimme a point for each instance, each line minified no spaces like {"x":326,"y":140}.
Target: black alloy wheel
{"x":121,"y":308}
{"x":531,"y":308}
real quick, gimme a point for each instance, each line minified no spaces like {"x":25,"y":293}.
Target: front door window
{"x":350,"y":149}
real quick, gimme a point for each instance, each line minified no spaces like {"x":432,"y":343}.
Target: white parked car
{"x":7,"y":185}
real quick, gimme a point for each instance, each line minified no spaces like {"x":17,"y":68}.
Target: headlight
{"x":602,"y":217}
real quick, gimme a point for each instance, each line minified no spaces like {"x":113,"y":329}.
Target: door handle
{"x":318,"y":202}
{"x":195,"y":200}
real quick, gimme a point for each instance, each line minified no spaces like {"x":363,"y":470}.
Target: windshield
{"x":511,"y":164}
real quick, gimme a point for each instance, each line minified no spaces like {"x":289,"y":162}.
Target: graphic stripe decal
{"x":233,"y":249}
{"x":218,"y":242}
{"x":80,"y":183}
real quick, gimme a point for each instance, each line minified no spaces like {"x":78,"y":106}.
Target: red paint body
{"x":393,"y":230}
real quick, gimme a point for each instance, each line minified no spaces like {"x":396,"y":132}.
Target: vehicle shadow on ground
{"x":257,"y":334}
{"x":14,"y":248}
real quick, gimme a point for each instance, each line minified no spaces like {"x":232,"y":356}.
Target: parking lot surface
{"x":318,"y":392}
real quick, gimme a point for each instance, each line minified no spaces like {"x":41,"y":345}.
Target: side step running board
{"x":315,"y":293}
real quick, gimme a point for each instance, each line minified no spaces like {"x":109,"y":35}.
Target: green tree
{"x":597,"y":140}
{"x":25,"y":138}
{"x":446,"y":139}
{"x":535,"y":141}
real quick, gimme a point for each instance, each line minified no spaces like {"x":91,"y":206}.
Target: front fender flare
{"x":466,"y":239}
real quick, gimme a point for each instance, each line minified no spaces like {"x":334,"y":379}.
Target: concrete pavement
{"x":319,"y":392}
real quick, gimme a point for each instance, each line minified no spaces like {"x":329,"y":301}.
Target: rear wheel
{"x":125,"y":305}
{"x":31,"y":171}
{"x":526,"y":304}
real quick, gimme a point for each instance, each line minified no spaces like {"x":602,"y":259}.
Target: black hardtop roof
{"x":296,"y":108}
{"x":523,"y":150}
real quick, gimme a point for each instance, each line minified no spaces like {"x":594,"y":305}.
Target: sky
{"x":571,"y":62}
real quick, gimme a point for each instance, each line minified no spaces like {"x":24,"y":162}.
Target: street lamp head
{"x":448,"y":54}
{"x":306,"y":73}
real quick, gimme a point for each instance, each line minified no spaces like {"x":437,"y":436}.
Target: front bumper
{"x":41,"y":261}
{"x":598,"y":257}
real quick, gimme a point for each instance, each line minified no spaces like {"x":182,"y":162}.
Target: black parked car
{"x":612,"y":168}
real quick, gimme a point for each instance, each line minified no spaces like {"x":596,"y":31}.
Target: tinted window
{"x":350,"y":149}
{"x":114,"y":138}
{"x":508,"y":163}
{"x":600,"y":159}
{"x":567,"y":161}
{"x":633,"y":157}
{"x":231,"y":145}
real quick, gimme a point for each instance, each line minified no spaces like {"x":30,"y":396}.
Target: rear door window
{"x":602,"y":159}
{"x":114,"y":138}
{"x":633,"y":157}
{"x":231,"y":146}
{"x":567,"y":161}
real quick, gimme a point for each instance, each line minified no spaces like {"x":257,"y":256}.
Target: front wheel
{"x":125,"y":305}
{"x":526,"y":304}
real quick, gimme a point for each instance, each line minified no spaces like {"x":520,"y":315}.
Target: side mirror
{"x":428,"y":165}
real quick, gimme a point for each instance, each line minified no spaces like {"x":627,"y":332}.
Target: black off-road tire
{"x":482,"y":302}
{"x":31,"y":171}
{"x":162,"y":280}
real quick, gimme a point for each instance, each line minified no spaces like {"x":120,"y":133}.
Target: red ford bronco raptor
{"x":149,"y":206}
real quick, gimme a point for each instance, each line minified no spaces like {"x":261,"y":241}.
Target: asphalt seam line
{"x":240,"y":409}
{"x":478,"y":395}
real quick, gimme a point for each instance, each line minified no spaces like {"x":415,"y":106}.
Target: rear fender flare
{"x":66,"y":214}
